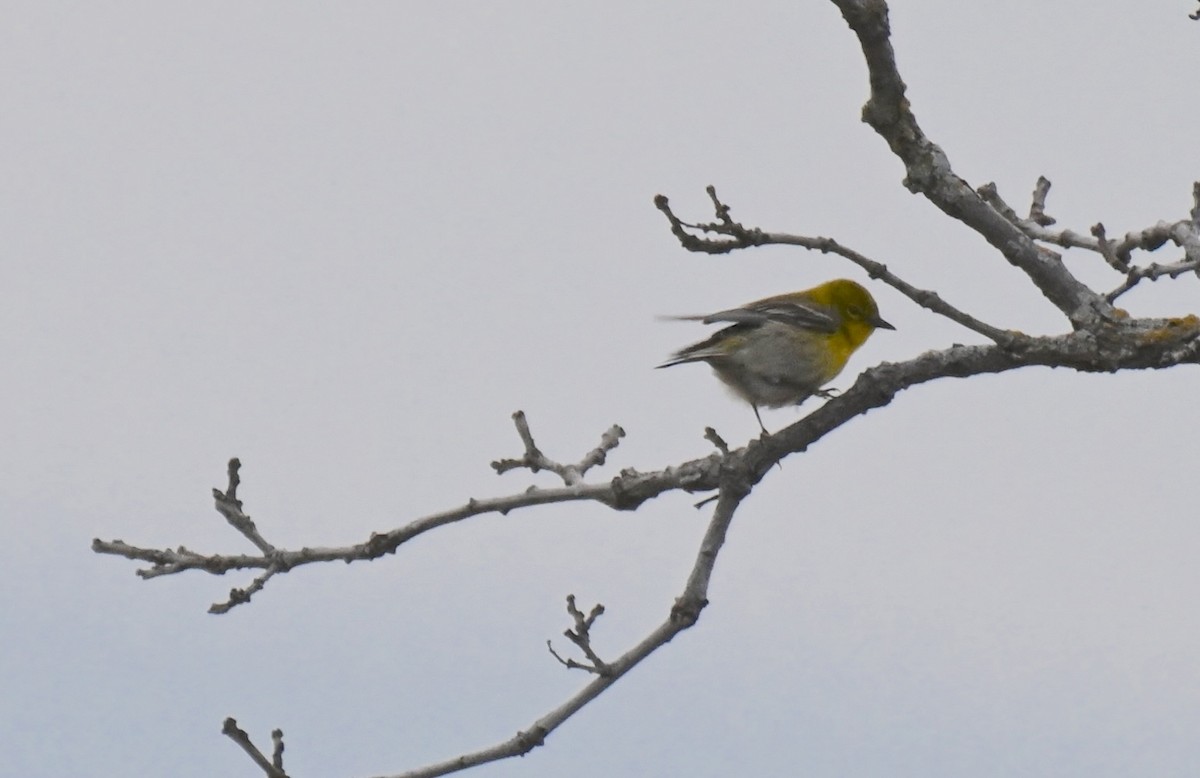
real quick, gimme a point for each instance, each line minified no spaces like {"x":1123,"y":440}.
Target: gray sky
{"x":345,"y":242}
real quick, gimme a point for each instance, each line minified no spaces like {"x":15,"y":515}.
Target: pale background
{"x":345,"y":241}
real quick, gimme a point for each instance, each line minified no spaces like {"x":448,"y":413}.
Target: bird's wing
{"x":801,"y":314}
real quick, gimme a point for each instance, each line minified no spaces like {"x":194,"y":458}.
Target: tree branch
{"x":1101,"y":341}
{"x":534,"y":460}
{"x":581,"y":636}
{"x":929,"y":172}
{"x":1184,"y":233}
{"x":272,"y":768}
{"x":734,"y":486}
{"x":739,"y":237}
{"x":1128,"y":344}
{"x":626,"y":491}
{"x":1119,"y":344}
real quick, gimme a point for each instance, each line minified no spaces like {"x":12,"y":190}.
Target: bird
{"x":781,"y":350}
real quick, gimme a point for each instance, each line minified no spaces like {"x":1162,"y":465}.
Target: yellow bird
{"x":781,"y":350}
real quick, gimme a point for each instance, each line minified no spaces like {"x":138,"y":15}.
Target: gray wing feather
{"x":811,"y":317}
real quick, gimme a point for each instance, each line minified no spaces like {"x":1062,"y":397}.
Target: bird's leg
{"x":761,"y":426}
{"x":765,"y":435}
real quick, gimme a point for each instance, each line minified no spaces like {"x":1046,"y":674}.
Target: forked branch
{"x":736,"y":236}
{"x":1101,"y":340}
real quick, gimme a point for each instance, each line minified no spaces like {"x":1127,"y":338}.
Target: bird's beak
{"x":879,"y":323}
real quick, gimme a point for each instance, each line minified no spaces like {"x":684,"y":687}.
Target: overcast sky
{"x":344,"y":242}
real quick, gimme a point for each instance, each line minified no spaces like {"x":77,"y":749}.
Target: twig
{"x":1117,"y":254}
{"x":229,"y":506}
{"x":273,"y":768}
{"x":741,"y":237}
{"x":1153,"y":272}
{"x":735,"y":483}
{"x":534,"y":460}
{"x":626,"y":491}
{"x":1135,"y":343}
{"x":1128,"y":344}
{"x":1037,"y":208}
{"x":711,"y":436}
{"x":242,"y":596}
{"x":277,"y":750}
{"x":1118,"y":263}
{"x":599,"y":455}
{"x":889,"y":112}
{"x":1107,"y":344}
{"x":581,"y":637}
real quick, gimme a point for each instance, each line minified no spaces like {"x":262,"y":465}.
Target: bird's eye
{"x":855,"y":312}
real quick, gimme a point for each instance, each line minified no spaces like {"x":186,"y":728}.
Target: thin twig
{"x":1153,"y":272}
{"x":229,"y":506}
{"x":735,"y":483}
{"x":1128,"y":344}
{"x":534,"y":460}
{"x":581,"y":637}
{"x":273,"y":768}
{"x":626,"y":491}
{"x":1116,"y":262}
{"x":739,"y":236}
{"x":1037,"y":208}
{"x":1117,"y":254}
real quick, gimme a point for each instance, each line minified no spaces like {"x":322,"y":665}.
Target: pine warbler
{"x":781,"y":350}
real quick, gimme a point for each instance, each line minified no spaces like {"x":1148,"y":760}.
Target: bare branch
{"x":626,"y":491}
{"x":1101,"y":341}
{"x":711,"y":436}
{"x":277,"y":750}
{"x":273,"y":768}
{"x":1107,"y":251}
{"x":241,"y":596}
{"x":741,"y":237}
{"x":735,"y":484}
{"x":1118,"y":255}
{"x":930,"y":174}
{"x":1153,"y":272}
{"x":581,"y":637}
{"x":1183,"y":234}
{"x":534,"y":460}
{"x":1126,"y":343}
{"x":229,"y":506}
{"x":1122,"y":343}
{"x":1037,"y":209}
{"x":599,"y":455}
{"x":569,"y":663}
